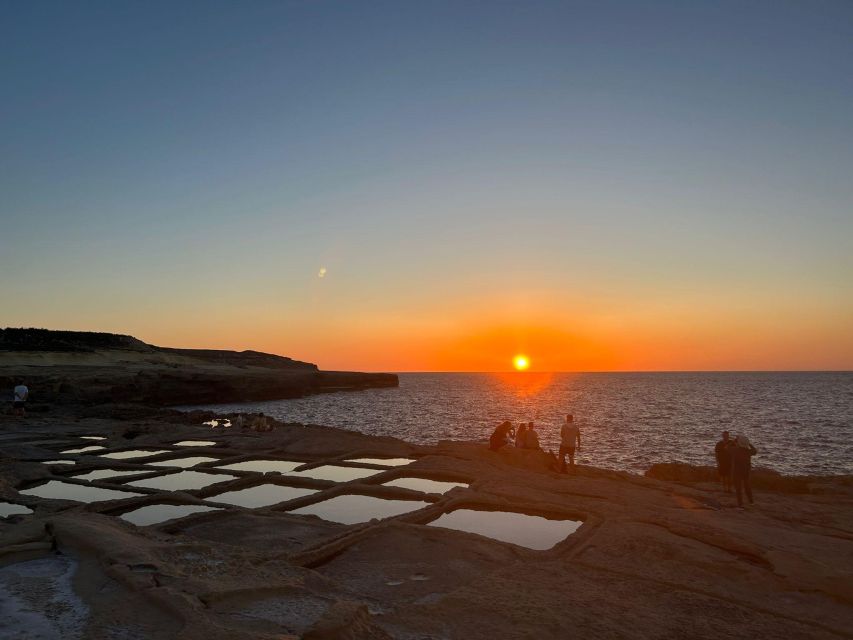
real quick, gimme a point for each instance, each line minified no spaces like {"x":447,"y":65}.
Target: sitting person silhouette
{"x":500,"y":436}
{"x":519,"y":436}
{"x":531,"y":438}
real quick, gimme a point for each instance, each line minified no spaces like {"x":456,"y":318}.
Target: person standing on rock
{"x":19,"y":399}
{"x":741,"y":454}
{"x":570,"y":436}
{"x":723,"y":454}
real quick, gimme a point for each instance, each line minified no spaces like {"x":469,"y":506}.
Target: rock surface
{"x":653,"y":559}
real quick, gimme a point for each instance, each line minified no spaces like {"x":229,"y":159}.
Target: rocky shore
{"x":651,"y":558}
{"x":122,"y":518}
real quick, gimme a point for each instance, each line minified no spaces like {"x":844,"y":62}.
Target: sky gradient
{"x":600,"y":185}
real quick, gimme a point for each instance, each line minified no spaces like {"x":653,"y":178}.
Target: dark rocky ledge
{"x":70,"y":367}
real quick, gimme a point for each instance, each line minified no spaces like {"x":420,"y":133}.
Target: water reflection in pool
{"x":263,"y":466}
{"x":388,"y":462}
{"x":78,"y":492}
{"x":9,"y":509}
{"x":101,"y":474}
{"x":84,"y":449}
{"x":351,"y":509}
{"x":181,"y":481}
{"x":533,"y":532}
{"x":262,"y":495}
{"x":92,"y":438}
{"x":157,"y":513}
{"x":422,"y":484}
{"x":182,"y":462}
{"x":195,"y":443}
{"x":58,"y":462}
{"x":336,"y":473}
{"x":133,"y":453}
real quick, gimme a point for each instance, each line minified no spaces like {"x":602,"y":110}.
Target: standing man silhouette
{"x":19,"y":400}
{"x":723,"y":454}
{"x":569,"y":436}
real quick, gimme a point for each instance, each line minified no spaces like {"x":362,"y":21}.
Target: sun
{"x":521,"y":362}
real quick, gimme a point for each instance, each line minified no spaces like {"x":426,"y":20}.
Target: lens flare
{"x":521,"y":362}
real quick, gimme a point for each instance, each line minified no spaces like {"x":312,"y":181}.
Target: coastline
{"x":652,"y":558}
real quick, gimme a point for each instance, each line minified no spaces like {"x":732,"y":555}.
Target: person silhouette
{"x":570,"y":436}
{"x":742,"y":453}
{"x":19,"y":399}
{"x":723,"y":454}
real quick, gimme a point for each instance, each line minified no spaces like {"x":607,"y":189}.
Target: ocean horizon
{"x":801,"y":422}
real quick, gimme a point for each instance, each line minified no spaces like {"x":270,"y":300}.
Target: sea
{"x":801,"y":423}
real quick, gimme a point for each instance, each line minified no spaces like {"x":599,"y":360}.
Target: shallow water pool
{"x":533,"y":532}
{"x":55,"y":489}
{"x":157,"y":513}
{"x":83,"y":449}
{"x":10,"y":509}
{"x":262,"y":495}
{"x":182,"y":462}
{"x":58,"y":462}
{"x":263,"y":466}
{"x":422,"y":484}
{"x":336,"y":473}
{"x":388,"y":462}
{"x":133,"y":453}
{"x":181,"y":481}
{"x":351,"y":509}
{"x":195,"y":443}
{"x":102,"y":474}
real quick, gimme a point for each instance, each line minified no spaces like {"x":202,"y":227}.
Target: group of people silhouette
{"x":734,"y":455}
{"x":734,"y":464}
{"x":526,"y":437}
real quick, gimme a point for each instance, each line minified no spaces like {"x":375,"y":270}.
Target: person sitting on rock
{"x":519,"y":436}
{"x":500,"y":436}
{"x":261,"y":423}
{"x":723,"y":454}
{"x":531,"y":438}
{"x":742,"y":453}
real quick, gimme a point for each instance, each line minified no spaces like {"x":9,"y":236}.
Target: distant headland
{"x":84,"y":367}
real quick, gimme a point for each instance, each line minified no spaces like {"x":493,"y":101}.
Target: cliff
{"x":76,"y":367}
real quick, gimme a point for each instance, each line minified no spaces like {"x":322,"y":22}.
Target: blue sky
{"x":165,"y":166}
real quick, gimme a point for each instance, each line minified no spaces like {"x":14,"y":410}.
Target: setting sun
{"x":521,"y":362}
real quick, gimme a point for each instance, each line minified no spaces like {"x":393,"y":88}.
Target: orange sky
{"x":484,"y":335}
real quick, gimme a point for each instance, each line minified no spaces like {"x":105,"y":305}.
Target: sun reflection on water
{"x":525,"y":384}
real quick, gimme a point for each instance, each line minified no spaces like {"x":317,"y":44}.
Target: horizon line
{"x":625,"y":371}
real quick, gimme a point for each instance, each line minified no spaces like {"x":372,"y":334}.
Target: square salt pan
{"x":262,"y":495}
{"x":182,"y":481}
{"x":57,"y":490}
{"x":336,"y":473}
{"x":182,"y":462}
{"x":352,"y":509}
{"x":157,"y":513}
{"x":134,"y":453}
{"x":263,"y":466}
